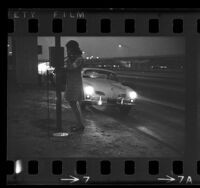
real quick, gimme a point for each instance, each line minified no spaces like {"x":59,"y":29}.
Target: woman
{"x":74,"y":85}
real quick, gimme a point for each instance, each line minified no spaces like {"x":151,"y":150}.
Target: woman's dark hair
{"x":73,"y":46}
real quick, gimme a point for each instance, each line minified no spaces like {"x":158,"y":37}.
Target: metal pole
{"x":47,"y":82}
{"x":58,"y":87}
{"x":48,"y":117}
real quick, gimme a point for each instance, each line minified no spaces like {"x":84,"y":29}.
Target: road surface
{"x":154,"y":128}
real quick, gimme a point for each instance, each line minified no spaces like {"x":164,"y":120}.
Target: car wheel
{"x":124,"y":110}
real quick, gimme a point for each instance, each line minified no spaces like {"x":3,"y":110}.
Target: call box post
{"x":57,"y":61}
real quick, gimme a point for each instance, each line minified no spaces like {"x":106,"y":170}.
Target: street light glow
{"x":119,"y":45}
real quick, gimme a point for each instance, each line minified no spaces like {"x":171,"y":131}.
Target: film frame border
{"x":103,"y":171}
{"x":163,"y":22}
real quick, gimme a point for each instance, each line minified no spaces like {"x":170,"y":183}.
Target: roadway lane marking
{"x":149,"y":133}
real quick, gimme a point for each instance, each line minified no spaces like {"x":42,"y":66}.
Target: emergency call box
{"x":56,"y":56}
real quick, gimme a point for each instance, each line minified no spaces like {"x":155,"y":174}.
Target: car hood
{"x":109,"y":87}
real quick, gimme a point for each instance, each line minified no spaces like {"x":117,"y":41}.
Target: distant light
{"x":97,"y":57}
{"x":119,"y":45}
{"x":43,"y":67}
{"x":91,"y":57}
{"x":8,"y":45}
{"x":83,"y":52}
{"x":10,"y":52}
{"x":163,"y":67}
{"x":87,"y":58}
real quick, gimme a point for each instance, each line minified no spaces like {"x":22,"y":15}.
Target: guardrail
{"x":170,"y":75}
{"x":177,"y":79}
{"x":164,"y":87}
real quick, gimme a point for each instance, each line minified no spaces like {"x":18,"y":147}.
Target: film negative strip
{"x":103,"y":97}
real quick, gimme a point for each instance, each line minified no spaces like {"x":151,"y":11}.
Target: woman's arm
{"x":76,"y":64}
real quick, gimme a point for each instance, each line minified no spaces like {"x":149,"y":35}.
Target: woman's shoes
{"x":77,"y":129}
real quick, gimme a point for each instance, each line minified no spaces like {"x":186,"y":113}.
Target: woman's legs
{"x":77,"y":111}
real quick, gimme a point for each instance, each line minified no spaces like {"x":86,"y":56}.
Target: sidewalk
{"x":29,"y":132}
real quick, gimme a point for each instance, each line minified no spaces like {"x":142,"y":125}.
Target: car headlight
{"x":132,"y":94}
{"x":89,"y":90}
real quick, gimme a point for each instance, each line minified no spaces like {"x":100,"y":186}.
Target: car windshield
{"x":100,"y":74}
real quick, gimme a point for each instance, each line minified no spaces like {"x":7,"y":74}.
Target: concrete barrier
{"x":166,"y":79}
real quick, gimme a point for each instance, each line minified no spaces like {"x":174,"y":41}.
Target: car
{"x":102,"y":88}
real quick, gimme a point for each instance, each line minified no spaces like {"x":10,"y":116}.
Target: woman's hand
{"x":77,"y":63}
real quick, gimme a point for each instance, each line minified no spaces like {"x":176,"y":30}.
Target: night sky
{"x":120,"y":46}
